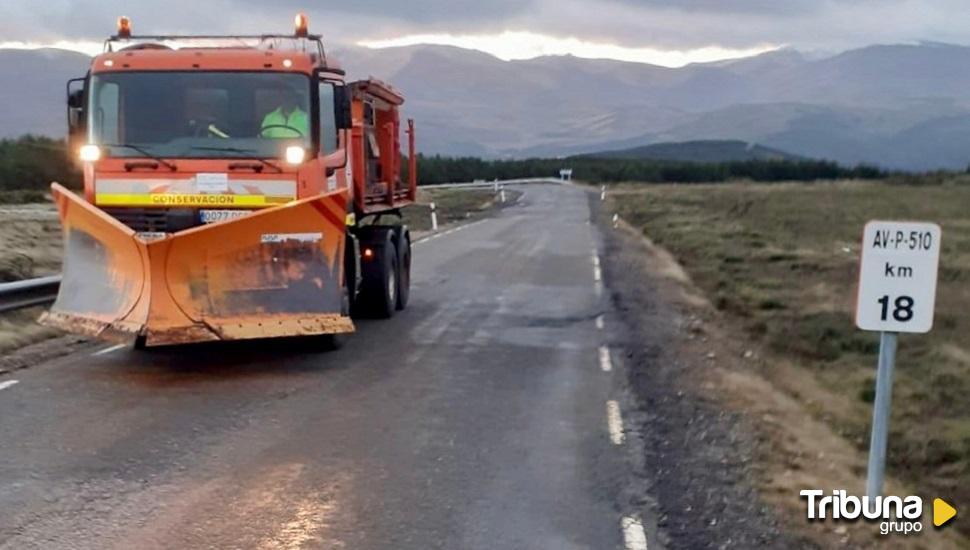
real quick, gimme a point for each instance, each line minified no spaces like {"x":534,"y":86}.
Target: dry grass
{"x":781,"y":260}
{"x":30,"y":246}
{"x":30,"y":241}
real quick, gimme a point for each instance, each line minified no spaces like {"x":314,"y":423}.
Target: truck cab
{"x":229,"y":180}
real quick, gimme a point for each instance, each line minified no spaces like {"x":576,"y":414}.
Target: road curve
{"x":477,"y":418}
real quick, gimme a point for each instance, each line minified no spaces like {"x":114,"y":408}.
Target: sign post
{"x":897,"y":293}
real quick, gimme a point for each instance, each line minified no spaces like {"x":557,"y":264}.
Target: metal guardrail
{"x":486,"y":184}
{"x":29,"y":292}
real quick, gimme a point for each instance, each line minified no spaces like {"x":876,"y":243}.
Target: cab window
{"x":328,"y":121}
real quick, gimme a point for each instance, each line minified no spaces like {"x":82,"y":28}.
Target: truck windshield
{"x":199,"y":114}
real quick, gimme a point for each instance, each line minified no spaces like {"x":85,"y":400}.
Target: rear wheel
{"x":381,"y":281}
{"x":404,"y":272}
{"x":387,"y":302}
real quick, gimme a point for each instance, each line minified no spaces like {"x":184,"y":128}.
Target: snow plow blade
{"x":272,"y":273}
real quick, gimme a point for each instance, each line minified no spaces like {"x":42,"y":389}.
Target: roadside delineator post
{"x":602,"y":192}
{"x":616,"y":221}
{"x":897,"y":293}
{"x":434,"y":218}
{"x":502,"y":193}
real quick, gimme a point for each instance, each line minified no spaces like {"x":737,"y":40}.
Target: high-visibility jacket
{"x":275,"y":120}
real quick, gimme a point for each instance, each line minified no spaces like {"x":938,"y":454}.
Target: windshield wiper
{"x":142,"y":150}
{"x":240,"y":151}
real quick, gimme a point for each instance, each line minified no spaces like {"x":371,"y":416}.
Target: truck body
{"x":234,"y":188}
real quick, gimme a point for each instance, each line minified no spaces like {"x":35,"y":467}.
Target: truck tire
{"x":378,"y":296}
{"x":404,"y":270}
{"x":352,"y":274}
{"x":385,"y":299}
{"x":331,"y":342}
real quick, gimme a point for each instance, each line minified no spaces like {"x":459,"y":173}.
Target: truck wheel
{"x":331,"y":342}
{"x":383,"y":300}
{"x":404,"y":273}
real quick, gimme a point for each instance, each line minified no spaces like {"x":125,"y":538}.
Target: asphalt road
{"x":477,"y":418}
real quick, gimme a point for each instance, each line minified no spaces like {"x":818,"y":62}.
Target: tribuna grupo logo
{"x":902,"y":515}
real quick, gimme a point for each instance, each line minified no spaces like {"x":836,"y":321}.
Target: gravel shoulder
{"x":698,"y":457}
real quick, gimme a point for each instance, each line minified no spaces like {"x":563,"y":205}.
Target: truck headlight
{"x":295,"y":154}
{"x":89,"y":153}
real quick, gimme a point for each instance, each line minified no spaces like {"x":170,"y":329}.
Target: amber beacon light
{"x":124,"y":27}
{"x":302,"y":24}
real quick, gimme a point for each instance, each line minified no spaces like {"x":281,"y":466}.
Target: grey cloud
{"x":678,"y":24}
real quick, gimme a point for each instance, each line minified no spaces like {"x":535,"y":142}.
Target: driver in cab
{"x":287,"y":120}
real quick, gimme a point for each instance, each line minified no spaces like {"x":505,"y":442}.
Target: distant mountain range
{"x":897,"y":106}
{"x":699,"y":151}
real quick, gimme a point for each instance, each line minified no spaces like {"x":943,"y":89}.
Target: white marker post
{"x":502,"y":193}
{"x":897,"y":293}
{"x":434,"y":218}
{"x":602,"y":192}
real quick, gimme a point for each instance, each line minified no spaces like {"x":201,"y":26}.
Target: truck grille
{"x":156,"y":220}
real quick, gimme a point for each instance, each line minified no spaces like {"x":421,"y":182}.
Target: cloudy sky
{"x":668,"y":32}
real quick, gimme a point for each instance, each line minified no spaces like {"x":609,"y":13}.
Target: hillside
{"x":33,"y":93}
{"x":699,"y":151}
{"x":899,"y":106}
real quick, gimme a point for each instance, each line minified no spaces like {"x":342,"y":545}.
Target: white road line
{"x":446,"y":232}
{"x":597,"y":274}
{"x":634,"y":537}
{"x":614,"y":422}
{"x":599,"y":322}
{"x":596,"y":259}
{"x":598,"y":287}
{"x":106,"y":351}
{"x":605,"y":362}
{"x":7,"y":384}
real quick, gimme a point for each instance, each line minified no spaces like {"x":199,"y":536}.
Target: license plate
{"x":213,"y":216}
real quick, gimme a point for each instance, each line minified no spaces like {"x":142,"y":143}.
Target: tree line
{"x":442,"y":169}
{"x":31,"y":163}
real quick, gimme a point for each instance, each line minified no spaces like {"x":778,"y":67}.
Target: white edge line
{"x":596,"y":259}
{"x":597,"y":274}
{"x":599,"y":322}
{"x":111,"y":349}
{"x":8,"y":383}
{"x":605,"y":362}
{"x":614,"y":421}
{"x":446,"y":232}
{"x":634,"y":538}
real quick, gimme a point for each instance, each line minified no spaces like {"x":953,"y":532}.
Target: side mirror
{"x":76,"y":119}
{"x":341,"y":105}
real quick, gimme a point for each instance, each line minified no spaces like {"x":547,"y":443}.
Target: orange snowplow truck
{"x":235,"y":187}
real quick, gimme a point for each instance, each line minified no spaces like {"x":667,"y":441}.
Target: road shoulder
{"x":699,"y":454}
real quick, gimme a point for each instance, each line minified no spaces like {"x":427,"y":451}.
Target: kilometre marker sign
{"x":897,"y":277}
